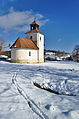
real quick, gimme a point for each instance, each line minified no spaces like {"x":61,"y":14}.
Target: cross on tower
{"x":34,"y":18}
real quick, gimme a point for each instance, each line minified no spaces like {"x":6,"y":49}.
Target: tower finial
{"x":34,"y":18}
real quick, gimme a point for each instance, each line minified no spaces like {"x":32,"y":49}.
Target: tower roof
{"x":24,"y":43}
{"x":34,"y":28}
{"x":34,"y":23}
{"x":34,"y":31}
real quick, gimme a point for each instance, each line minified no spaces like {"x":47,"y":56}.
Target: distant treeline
{"x":7,"y":53}
{"x":54,"y":51}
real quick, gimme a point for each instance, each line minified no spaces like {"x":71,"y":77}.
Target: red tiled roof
{"x":33,"y":31}
{"x":24,"y":43}
{"x":34,"y":22}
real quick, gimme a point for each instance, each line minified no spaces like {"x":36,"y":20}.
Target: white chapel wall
{"x":34,"y":36}
{"x":40,"y":44}
{"x":22,"y":55}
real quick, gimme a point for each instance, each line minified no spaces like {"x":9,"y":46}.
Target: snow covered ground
{"x":3,"y":56}
{"x":20,"y":99}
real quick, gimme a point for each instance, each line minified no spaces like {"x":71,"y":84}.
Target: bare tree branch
{"x":76,"y":52}
{"x":1,"y":43}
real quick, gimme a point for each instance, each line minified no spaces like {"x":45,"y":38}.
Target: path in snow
{"x":28,"y":100}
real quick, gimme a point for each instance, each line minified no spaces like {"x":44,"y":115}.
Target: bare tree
{"x":76,"y":52}
{"x":2,"y":44}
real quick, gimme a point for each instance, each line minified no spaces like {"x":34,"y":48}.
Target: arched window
{"x":31,"y":37}
{"x":29,"y":53}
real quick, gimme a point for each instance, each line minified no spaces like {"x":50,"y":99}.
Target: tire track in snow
{"x":28,"y":100}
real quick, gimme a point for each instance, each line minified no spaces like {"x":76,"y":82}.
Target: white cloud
{"x":19,"y":20}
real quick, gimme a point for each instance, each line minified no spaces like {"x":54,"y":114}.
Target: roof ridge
{"x":34,"y":43}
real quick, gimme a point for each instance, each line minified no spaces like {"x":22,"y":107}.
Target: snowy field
{"x":20,"y":99}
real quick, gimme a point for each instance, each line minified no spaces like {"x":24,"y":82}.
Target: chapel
{"x":29,"y":49}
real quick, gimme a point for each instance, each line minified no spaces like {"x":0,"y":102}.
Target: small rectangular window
{"x":29,"y":53}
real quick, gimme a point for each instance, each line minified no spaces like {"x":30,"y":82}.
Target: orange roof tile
{"x":33,"y":31}
{"x":34,"y":22}
{"x":24,"y":43}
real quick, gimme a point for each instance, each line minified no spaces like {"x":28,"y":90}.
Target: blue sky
{"x":58,"y":19}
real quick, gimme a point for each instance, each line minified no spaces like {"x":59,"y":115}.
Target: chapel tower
{"x":38,"y":38}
